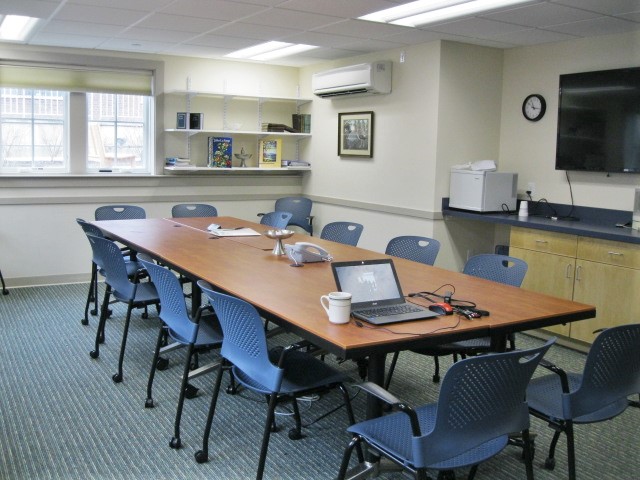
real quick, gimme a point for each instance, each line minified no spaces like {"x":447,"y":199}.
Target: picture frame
{"x":181,"y":120}
{"x":355,"y":134}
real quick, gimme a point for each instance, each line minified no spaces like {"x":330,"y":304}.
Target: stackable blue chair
{"x":481,"y":402}
{"x":342,"y":232}
{"x":611,"y":374}
{"x":490,"y":266}
{"x":282,"y":376}
{"x":185,"y":210}
{"x":120,"y":212}
{"x":300,"y":209}
{"x":198,"y":334}
{"x":276,"y":219}
{"x":120,"y":286}
{"x":415,"y":248}
{"x":96,"y":268}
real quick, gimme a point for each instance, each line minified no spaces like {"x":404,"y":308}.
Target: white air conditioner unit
{"x":363,"y":79}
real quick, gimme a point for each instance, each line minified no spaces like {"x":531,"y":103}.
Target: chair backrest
{"x":173,"y":311}
{"x":120,"y":212}
{"x":499,"y":268}
{"x":183,"y":210}
{"x":113,"y":264}
{"x":90,"y":229}
{"x":481,"y":398}
{"x":611,"y":371}
{"x":419,"y":249}
{"x":342,"y":232}
{"x":244,"y":341}
{"x":276,"y":219}
{"x":300,"y":209}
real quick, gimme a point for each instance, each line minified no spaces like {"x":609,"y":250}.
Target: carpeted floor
{"x":62,"y":417}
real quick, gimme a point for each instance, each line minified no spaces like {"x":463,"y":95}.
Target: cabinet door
{"x":550,"y":274}
{"x":612,"y":289}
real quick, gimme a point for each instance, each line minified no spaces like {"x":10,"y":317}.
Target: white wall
{"x":529,"y":148}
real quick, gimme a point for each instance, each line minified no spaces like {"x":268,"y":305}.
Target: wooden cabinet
{"x":588,"y":270}
{"x":239,"y":117}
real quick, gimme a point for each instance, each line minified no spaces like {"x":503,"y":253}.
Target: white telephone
{"x":305,"y":252}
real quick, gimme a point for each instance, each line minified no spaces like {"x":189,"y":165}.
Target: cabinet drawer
{"x":609,"y":252}
{"x":542,"y":241}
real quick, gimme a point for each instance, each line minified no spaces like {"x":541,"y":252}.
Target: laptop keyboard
{"x":390,"y":310}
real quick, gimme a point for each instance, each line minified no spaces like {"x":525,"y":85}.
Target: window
{"x":118,"y":132}
{"x":76,"y":119}
{"x":34,"y":126}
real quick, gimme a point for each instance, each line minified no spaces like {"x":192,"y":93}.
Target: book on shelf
{"x":301,"y":122}
{"x":295,"y":163}
{"x":181,"y":120}
{"x":196,"y":121}
{"x":278,"y":127}
{"x":220,"y":151}
{"x":270,"y":153}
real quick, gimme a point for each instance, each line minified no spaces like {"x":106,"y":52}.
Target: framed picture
{"x":355,"y":134}
{"x":181,"y":120}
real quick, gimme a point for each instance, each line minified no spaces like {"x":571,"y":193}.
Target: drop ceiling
{"x":213,"y":28}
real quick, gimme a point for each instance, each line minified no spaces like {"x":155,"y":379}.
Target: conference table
{"x":289,"y":296}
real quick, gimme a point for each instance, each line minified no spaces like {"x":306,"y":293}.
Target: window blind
{"x":76,"y":78}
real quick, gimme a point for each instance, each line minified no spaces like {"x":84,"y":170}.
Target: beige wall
{"x":529,"y":148}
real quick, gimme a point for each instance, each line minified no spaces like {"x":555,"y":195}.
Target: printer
{"x":483,"y":190}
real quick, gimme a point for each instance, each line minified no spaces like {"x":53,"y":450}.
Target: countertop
{"x":582,"y":221}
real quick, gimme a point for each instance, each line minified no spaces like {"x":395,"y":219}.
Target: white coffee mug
{"x":337,"y":305}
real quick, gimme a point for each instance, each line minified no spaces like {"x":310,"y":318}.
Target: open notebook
{"x":377,"y":297}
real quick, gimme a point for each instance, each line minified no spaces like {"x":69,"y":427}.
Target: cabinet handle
{"x":568,"y":271}
{"x":618,"y":254}
{"x":541,"y":241}
{"x":578,"y":270}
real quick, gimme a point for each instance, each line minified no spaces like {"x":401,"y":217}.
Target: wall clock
{"x":534,"y":107}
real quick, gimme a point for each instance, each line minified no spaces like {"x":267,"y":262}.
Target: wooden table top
{"x":247,"y":268}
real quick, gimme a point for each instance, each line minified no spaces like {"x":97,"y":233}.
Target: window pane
{"x":33,"y":125}
{"x":118,"y":132}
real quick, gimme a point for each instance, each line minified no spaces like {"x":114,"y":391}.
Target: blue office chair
{"x":120,"y":212}
{"x":120,"y":286}
{"x":342,"y":232}
{"x":300,"y":209}
{"x":481,"y":402}
{"x":611,"y":374}
{"x":281,"y":375}
{"x":198,"y":335}
{"x":276,"y":219}
{"x":490,"y":266}
{"x":185,"y":210}
{"x":96,"y":268}
{"x":418,"y":249}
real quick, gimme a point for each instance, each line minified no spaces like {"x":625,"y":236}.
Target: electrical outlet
{"x":531,"y":187}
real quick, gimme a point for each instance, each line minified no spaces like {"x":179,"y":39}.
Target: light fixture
{"x":424,"y":12}
{"x":270,"y":50}
{"x":17,"y":28}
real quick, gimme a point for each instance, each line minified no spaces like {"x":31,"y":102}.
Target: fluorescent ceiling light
{"x":16,"y":28}
{"x":270,"y":50}
{"x":423,"y":12}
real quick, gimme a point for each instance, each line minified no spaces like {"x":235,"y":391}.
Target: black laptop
{"x":376,"y":293}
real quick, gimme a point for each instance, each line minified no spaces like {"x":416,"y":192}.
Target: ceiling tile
{"x":541,"y":14}
{"x":218,"y":9}
{"x":476,"y":27}
{"x":598,"y":26}
{"x":278,"y":17}
{"x":609,"y":7}
{"x":29,"y":8}
{"x":81,"y":28}
{"x":532,"y":36}
{"x":180,"y":23}
{"x":66,"y":40}
{"x":105,"y":15}
{"x":258,"y":32}
{"x":362,"y":28}
{"x":348,"y":9}
{"x":126,"y":45}
{"x":222,"y":41}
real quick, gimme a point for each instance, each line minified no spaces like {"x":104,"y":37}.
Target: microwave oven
{"x":482,"y":191}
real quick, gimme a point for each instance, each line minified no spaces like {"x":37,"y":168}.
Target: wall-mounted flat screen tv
{"x":599,"y":121}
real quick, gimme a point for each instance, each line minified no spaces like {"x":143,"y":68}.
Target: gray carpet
{"x":62,"y":417}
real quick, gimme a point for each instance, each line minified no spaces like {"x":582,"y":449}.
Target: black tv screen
{"x":599,"y":121}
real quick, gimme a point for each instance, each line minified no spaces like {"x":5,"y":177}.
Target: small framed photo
{"x":196,"y":121}
{"x":181,"y":120}
{"x":355,"y":134}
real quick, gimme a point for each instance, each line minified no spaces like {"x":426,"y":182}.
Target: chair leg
{"x":91,"y":295}
{"x":154,"y":364}
{"x":571,"y":452}
{"x":202,"y":456}
{"x":392,"y":368}
{"x":296,"y":432}
{"x":175,"y":441}
{"x":351,"y":417}
{"x":436,"y":373}
{"x":346,"y":456}
{"x":550,"y":462}
{"x":95,"y":353}
{"x":266,"y":435}
{"x":117,"y":377}
{"x":528,"y":453}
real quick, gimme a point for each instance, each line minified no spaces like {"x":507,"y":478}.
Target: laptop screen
{"x":370,"y":282}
